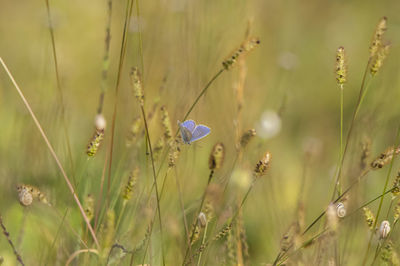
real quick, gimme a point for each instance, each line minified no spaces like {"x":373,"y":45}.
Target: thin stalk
{"x":155,"y":182}
{"x":53,"y":153}
{"x":202,"y":243}
{"x":61,"y":96}
{"x":341,"y":134}
{"x":7,"y":235}
{"x":120,"y":215}
{"x":128,"y":13}
{"x":196,"y":221}
{"x":359,"y":101}
{"x":381,"y":201}
{"x":106,"y":58}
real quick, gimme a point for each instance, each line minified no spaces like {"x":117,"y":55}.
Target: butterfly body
{"x":191,"y":132}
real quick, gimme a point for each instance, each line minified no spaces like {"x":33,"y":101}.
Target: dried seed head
{"x":340,"y":210}
{"x":158,"y":147}
{"x":397,"y":211}
{"x":288,"y":238}
{"x":100,"y":122}
{"x":384,"y":158}
{"x":174,"y":153}
{"x":369,"y":218}
{"x":396,"y":185}
{"x":224,"y":231}
{"x":387,"y":252}
{"x":25,"y":195}
{"x":217,"y":156}
{"x":366,"y":151}
{"x":89,"y":206}
{"x":341,"y":68}
{"x":263,"y":165}
{"x":166,"y":122}
{"x":130,"y":185}
{"x":202,"y":219}
{"x":134,"y":131}
{"x":384,"y":229}
{"x":332,"y":217}
{"x":95,"y":142}
{"x":247,"y":46}
{"x":246,"y":137}
{"x":209,"y":210}
{"x":382,"y":53}
{"x":377,"y":37}
{"x":137,"y":86}
{"x":195,"y":233}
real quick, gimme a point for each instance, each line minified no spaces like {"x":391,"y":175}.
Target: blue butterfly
{"x":190,"y":132}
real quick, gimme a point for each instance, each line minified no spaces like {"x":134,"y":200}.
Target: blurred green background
{"x":290,"y":76}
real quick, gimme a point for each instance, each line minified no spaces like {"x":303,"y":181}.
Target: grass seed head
{"x":384,"y":158}
{"x":166,"y":122}
{"x":377,"y":37}
{"x":137,"y":86}
{"x":94,"y":143}
{"x":134,"y":131}
{"x":130,"y":185}
{"x":263,"y":165}
{"x":217,"y":156}
{"x":246,"y":137}
{"x":341,"y":67}
{"x":380,"y":57}
{"x":369,"y":218}
{"x":247,"y":46}
{"x":89,"y":206}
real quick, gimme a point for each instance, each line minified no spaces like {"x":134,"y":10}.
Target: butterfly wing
{"x":185,"y":133}
{"x":189,"y":124}
{"x":200,"y":132}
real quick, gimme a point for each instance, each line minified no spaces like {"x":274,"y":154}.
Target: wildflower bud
{"x":341,"y":68}
{"x":100,"y":122}
{"x":202,"y":219}
{"x":136,"y":81}
{"x":217,"y":156}
{"x":263,"y":165}
{"x":369,"y":218}
{"x":246,"y":137}
{"x":166,"y":122}
{"x":89,"y":206}
{"x":130,"y":185}
{"x":379,"y":58}
{"x":25,"y":195}
{"x":95,"y":142}
{"x":377,"y":37}
{"x":384,"y":229}
{"x":247,"y":46}
{"x":340,"y":210}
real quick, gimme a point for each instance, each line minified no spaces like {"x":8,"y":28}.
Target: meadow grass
{"x":298,"y":168}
